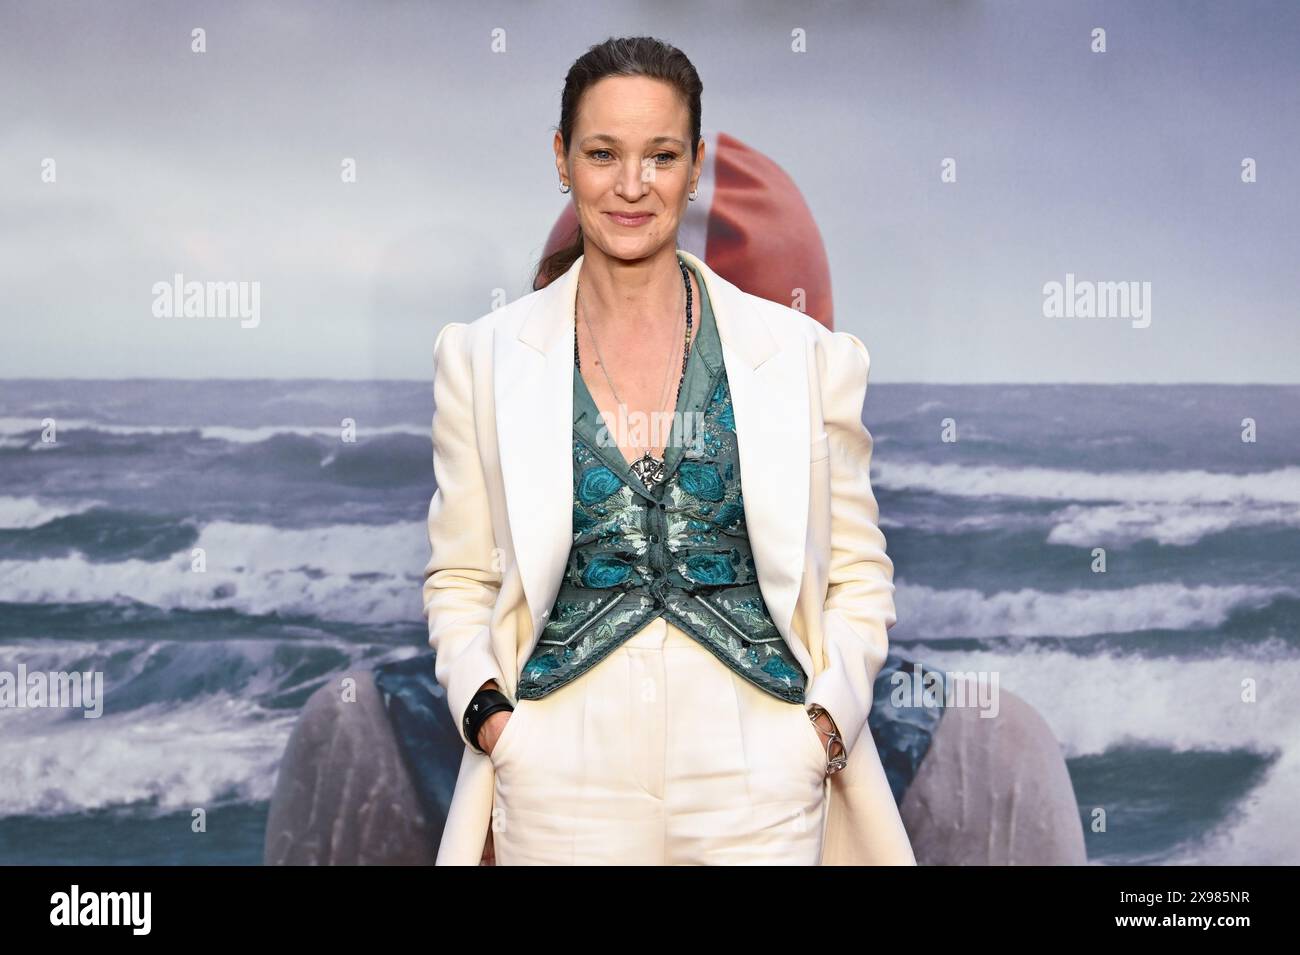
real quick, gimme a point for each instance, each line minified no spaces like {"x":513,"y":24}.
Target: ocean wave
{"x":1171,"y":524}
{"x":348,"y":572}
{"x":929,"y":613}
{"x":24,"y":432}
{"x":223,"y":748}
{"x":1091,"y":525}
{"x":21,"y":513}
{"x":1280,"y":486}
{"x":182,"y":723}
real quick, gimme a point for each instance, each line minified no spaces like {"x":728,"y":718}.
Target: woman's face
{"x":630,"y":155}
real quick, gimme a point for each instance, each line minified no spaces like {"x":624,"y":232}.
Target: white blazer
{"x":500,"y":525}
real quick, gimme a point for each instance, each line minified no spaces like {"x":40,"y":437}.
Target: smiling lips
{"x":630,"y":219}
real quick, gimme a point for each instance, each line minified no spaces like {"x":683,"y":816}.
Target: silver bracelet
{"x":834,"y":764}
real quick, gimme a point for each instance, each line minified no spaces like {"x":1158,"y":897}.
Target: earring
{"x":565,"y":187}
{"x":691,"y":195}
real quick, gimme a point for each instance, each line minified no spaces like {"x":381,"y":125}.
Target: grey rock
{"x":343,"y":795}
{"x":994,"y":791}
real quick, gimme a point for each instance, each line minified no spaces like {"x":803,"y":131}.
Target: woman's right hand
{"x":491,"y":730}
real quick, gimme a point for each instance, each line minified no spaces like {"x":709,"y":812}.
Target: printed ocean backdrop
{"x":315,"y":546}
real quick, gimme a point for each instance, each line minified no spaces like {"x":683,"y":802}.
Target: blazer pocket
{"x":820,"y":449}
{"x":508,"y":734}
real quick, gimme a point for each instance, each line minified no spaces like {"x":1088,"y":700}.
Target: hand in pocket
{"x":490,"y":733}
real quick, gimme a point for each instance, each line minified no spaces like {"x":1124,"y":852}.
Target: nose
{"x":633,"y":178}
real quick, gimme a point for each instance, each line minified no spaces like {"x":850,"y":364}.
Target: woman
{"x":647,"y":666}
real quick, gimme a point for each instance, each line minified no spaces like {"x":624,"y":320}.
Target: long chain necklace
{"x":649,"y":469}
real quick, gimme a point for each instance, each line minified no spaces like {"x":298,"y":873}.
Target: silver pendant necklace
{"x":649,"y":469}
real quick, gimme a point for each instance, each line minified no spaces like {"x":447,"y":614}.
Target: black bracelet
{"x":482,"y":705}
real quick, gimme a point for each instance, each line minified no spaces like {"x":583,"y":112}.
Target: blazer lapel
{"x":768,"y":377}
{"x":533,"y":391}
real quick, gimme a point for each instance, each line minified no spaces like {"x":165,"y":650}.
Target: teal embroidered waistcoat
{"x":680,"y":550}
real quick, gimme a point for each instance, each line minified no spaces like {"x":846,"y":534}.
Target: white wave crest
{"x":927,"y":613}
{"x":1174,"y":524}
{"x":14,"y":430}
{"x":25,"y":512}
{"x":348,"y":572}
{"x":1280,"y":486}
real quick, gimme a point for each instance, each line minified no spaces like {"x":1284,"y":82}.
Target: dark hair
{"x":619,"y":56}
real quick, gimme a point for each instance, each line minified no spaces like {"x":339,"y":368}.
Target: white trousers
{"x":660,"y":754}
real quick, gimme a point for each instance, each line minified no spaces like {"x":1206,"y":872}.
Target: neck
{"x":636,"y":294}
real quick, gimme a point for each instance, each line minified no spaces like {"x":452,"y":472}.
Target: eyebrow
{"x":606,"y":137}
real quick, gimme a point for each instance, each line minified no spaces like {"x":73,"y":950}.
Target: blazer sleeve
{"x":859,"y":608}
{"x":461,"y":579}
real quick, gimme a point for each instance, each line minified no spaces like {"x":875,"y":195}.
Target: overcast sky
{"x":225,"y":166}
